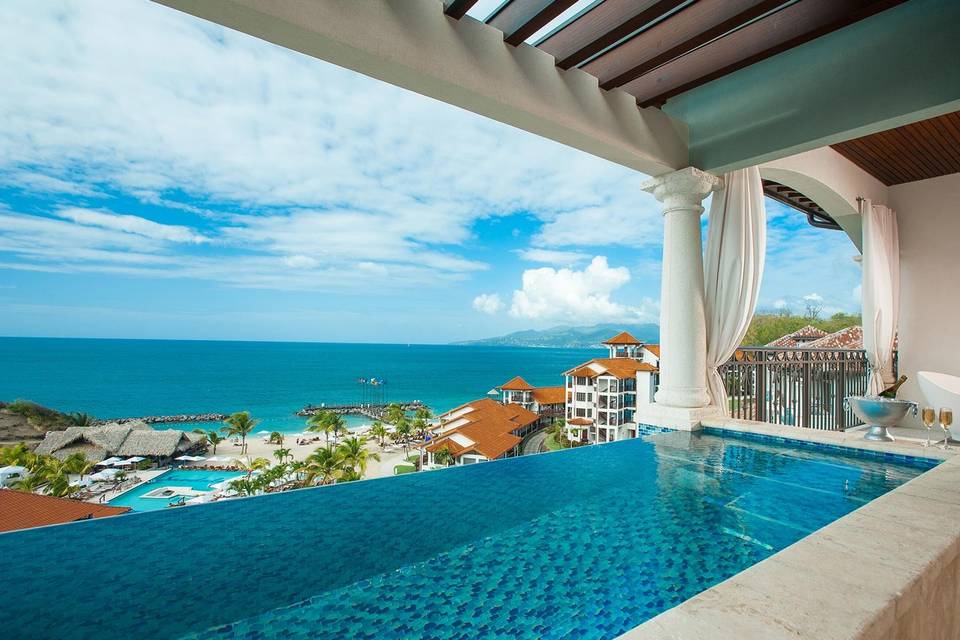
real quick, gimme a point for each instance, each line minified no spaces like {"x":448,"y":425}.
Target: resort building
{"x":546,"y":402}
{"x":24,"y":510}
{"x":482,"y":430}
{"x":801,"y":337}
{"x":124,"y":440}
{"x":603,"y":393}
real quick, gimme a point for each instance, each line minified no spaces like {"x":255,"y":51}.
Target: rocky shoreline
{"x":183,"y":417}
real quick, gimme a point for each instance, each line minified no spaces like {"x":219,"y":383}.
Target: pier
{"x":374,"y":411}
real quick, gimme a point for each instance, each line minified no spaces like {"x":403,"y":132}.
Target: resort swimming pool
{"x":199,"y":479}
{"x":583,"y":543}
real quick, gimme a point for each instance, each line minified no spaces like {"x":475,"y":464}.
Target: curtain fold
{"x":733,"y":270}
{"x":880,"y":288}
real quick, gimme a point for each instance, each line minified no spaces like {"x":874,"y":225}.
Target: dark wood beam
{"x":458,"y":8}
{"x":603,"y":26}
{"x":706,"y":33}
{"x":685,"y":23}
{"x":520,"y":19}
{"x":783,"y":30}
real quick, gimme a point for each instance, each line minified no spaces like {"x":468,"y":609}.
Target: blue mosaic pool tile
{"x":583,"y":543}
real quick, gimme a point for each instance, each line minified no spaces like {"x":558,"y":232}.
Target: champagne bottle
{"x":891,"y":391}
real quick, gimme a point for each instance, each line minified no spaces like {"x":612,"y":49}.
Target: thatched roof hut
{"x":129,"y":439}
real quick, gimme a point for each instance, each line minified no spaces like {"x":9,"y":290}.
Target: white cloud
{"x":780,"y":304}
{"x":813,"y":297}
{"x":571,"y":295}
{"x":130,"y":224}
{"x":488,"y":303}
{"x":300,"y":261}
{"x":147,"y":102}
{"x":549,"y":256}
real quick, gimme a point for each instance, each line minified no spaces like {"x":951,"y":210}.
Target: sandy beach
{"x":257,"y":448}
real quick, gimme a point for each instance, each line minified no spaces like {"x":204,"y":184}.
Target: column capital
{"x":685,"y":188}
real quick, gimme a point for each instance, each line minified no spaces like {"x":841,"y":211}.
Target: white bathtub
{"x":942,"y":390}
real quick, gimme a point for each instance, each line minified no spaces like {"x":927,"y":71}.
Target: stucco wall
{"x":928,"y":213}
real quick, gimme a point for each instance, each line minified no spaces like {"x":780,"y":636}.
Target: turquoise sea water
{"x":579,"y":544}
{"x":127,"y":378}
{"x":199,"y":479}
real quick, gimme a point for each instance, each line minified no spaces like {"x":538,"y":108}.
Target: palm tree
{"x":354,"y":454}
{"x":403,"y":432}
{"x":276,"y":438}
{"x":281,"y":454}
{"x":18,"y":455}
{"x":394,"y":413}
{"x":77,"y":463}
{"x":443,"y":456}
{"x":559,"y":432}
{"x":240,"y":424}
{"x":80,"y":419}
{"x":378,"y":431}
{"x":422,"y":416}
{"x":338,"y":427}
{"x":213,"y":439}
{"x":30,"y":483}
{"x":323,"y":464}
{"x":320,"y":423}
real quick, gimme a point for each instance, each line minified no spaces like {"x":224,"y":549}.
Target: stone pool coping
{"x":889,"y":569}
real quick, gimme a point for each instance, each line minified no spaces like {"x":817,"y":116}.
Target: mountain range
{"x":569,"y":337}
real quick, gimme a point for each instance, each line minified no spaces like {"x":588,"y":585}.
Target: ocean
{"x":272,"y":380}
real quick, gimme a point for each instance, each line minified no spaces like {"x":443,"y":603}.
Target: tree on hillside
{"x":770,"y":325}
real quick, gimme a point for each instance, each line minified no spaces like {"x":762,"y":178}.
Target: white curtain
{"x":733,"y":270}
{"x":880,"y":288}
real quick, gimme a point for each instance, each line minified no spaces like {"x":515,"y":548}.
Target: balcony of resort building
{"x":725,"y":519}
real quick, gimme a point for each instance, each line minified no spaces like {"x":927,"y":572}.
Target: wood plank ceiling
{"x":656,"y":49}
{"x":925,"y":149}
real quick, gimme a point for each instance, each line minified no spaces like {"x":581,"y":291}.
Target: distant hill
{"x":569,"y":337}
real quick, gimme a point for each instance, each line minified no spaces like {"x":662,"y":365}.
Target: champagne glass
{"x":946,"y":419}
{"x":929,"y":417}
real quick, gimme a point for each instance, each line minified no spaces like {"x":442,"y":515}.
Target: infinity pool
{"x":199,"y":479}
{"x":583,"y":543}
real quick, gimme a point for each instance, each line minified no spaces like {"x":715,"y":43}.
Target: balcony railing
{"x":799,"y":387}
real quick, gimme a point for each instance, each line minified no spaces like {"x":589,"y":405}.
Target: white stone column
{"x":683,"y":340}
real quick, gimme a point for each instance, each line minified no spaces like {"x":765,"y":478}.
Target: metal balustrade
{"x":796,"y":386}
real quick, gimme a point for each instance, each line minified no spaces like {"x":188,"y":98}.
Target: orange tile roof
{"x":580,"y":422}
{"x":620,"y":368}
{"x":653,"y":348}
{"x":516,"y":384}
{"x":550,"y":395}
{"x":488,"y":425}
{"x":622,"y":338}
{"x":23,"y":510}
{"x":801,"y":335}
{"x":849,"y":338}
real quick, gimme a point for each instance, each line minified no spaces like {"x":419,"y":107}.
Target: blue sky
{"x":162,"y":177}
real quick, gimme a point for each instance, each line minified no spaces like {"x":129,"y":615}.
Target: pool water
{"x":199,"y":479}
{"x":582,"y":543}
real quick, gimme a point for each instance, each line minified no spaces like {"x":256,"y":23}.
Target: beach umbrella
{"x":135,"y":459}
{"x":106,"y":474}
{"x":123,"y":463}
{"x":108,"y":462}
{"x":197,"y":458}
{"x":184,"y":458}
{"x":263,"y":433}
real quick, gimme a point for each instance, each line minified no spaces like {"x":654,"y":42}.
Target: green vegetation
{"x":46,"y":472}
{"x":329,"y":424}
{"x":403,"y":468}
{"x":276,"y":437}
{"x":556,"y":436}
{"x":767,"y":327}
{"x":347,"y":462}
{"x":212,"y":438}
{"x":443,"y":456}
{"x":240,"y":425}
{"x":42,"y":417}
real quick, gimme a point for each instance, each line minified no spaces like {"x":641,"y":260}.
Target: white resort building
{"x":546,"y":402}
{"x":603,"y":393}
